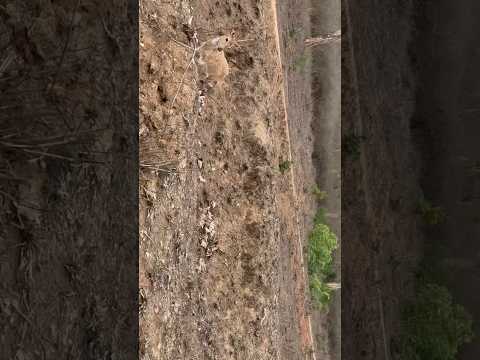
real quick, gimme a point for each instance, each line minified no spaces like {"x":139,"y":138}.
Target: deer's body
{"x":212,"y":62}
{"x":214,"y":66}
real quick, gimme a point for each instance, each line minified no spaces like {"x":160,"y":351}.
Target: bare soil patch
{"x":381,"y":234}
{"x":68,"y":260}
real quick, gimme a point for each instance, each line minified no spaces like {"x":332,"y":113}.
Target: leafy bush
{"x":321,"y":245}
{"x":433,"y":326}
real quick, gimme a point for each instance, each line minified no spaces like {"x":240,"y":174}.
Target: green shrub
{"x":321,"y":245}
{"x":433,"y":326}
{"x":432,"y":215}
{"x":321,"y":195}
{"x":284,"y":166}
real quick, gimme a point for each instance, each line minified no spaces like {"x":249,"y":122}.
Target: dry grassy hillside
{"x":220,"y":271}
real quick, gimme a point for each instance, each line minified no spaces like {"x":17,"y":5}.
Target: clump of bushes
{"x":433,"y":326}
{"x":321,"y":245}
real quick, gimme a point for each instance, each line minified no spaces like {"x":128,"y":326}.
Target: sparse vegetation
{"x":432,"y":215}
{"x":321,"y":195}
{"x":433,"y":326}
{"x":294,"y":32}
{"x":300,"y":63}
{"x":321,"y":245}
{"x":285,"y":166}
{"x":351,"y":145}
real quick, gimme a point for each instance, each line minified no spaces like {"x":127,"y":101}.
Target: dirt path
{"x":314,"y":141}
{"x":306,"y":331}
{"x":448,"y":105}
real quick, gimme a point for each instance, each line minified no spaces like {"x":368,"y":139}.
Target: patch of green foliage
{"x":351,"y":145}
{"x":432,"y":215}
{"x":433,"y":326}
{"x":321,"y":245}
{"x":292,"y":33}
{"x":321,"y":195}
{"x":300,"y":63}
{"x":285,"y":166}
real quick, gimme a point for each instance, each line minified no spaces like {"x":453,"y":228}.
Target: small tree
{"x":321,"y":245}
{"x":434,"y":326}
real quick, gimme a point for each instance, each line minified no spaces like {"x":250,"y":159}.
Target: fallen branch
{"x":334,"y":286}
{"x":181,"y":44}
{"x":324,"y":39}
{"x":192,"y":61}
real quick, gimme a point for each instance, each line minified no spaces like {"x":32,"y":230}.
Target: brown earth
{"x":220,"y":258}
{"x":380,"y":187}
{"x":68,"y":126}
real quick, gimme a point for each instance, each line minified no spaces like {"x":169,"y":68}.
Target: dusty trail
{"x":313,"y":133}
{"x":309,"y":334}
